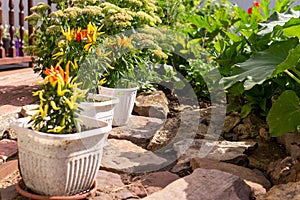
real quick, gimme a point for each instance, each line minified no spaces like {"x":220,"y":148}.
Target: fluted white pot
{"x":124,"y":108}
{"x":100,"y":107}
{"x":60,"y":165}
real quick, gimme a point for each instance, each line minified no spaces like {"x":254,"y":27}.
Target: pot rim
{"x":104,"y":129}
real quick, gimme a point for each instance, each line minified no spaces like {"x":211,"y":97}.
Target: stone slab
{"x":124,"y":156}
{"x":139,"y":130}
{"x":8,"y":148}
{"x":110,"y":186}
{"x":7,"y":168}
{"x":204,"y":184}
{"x":233,"y":152}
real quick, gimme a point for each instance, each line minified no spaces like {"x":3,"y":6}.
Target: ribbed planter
{"x":100,"y":107}
{"x":60,"y":165}
{"x":124,"y":108}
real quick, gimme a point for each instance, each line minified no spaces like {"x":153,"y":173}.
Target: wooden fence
{"x":11,"y":47}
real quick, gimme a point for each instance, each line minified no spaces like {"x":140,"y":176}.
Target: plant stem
{"x":296,"y":72}
{"x":292,"y":76}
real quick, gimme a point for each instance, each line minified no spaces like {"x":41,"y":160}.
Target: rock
{"x":29,"y":110}
{"x":8,"y":148}
{"x":5,"y":120}
{"x":153,"y":104}
{"x":152,"y":183}
{"x":283,"y":191}
{"x":249,"y":128}
{"x":124,"y":156}
{"x":242,"y":172}
{"x":162,"y":137}
{"x":139,"y":130}
{"x":291,"y":141}
{"x":110,"y":186}
{"x":261,"y":157}
{"x":176,"y":129}
{"x":179,"y":167}
{"x":284,"y":171}
{"x":230,"y":122}
{"x":256,"y":189}
{"x":233,"y":152}
{"x":204,"y":184}
{"x":9,"y":193}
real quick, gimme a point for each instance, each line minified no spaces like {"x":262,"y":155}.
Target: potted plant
{"x":60,"y":150}
{"x":78,"y":31}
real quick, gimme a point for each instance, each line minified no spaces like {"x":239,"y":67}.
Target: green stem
{"x":292,"y":76}
{"x":296,"y":72}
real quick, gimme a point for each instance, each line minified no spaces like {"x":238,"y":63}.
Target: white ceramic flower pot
{"x":124,"y":108}
{"x":60,"y":165}
{"x":100,"y":107}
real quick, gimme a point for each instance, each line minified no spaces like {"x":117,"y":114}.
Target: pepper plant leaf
{"x":261,"y":65}
{"x":284,"y":115}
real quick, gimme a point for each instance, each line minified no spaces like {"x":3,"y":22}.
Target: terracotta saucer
{"x":20,"y":187}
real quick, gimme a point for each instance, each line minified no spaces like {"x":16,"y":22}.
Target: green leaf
{"x":284,"y":115}
{"x":290,"y":62}
{"x":261,"y":65}
{"x":246,"y":109}
{"x":278,"y":21}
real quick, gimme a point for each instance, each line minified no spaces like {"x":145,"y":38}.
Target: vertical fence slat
{"x":30,"y":27}
{"x":12,"y":49}
{"x":2,"y":50}
{"x":22,"y":29}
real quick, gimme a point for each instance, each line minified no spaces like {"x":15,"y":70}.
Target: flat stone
{"x":8,"y":148}
{"x":8,"y":168}
{"x":204,"y":184}
{"x":233,"y":152}
{"x":110,"y":186}
{"x":9,"y":193}
{"x":152,"y":104}
{"x":152,"y":183}
{"x":29,"y":110}
{"x":124,"y":156}
{"x":290,"y":190}
{"x":139,"y":130}
{"x":242,"y":172}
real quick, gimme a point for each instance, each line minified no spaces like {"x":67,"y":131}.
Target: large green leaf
{"x":261,"y":65}
{"x":278,"y":21}
{"x":290,"y":62}
{"x":284,"y":115}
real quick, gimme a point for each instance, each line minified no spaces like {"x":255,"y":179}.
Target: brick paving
{"x":16,"y":87}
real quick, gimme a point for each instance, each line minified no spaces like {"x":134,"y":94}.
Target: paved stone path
{"x":16,"y":88}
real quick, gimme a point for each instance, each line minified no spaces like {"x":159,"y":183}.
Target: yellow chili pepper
{"x":61,"y":92}
{"x":41,"y":96}
{"x":57,"y":129}
{"x":69,"y":103}
{"x":45,"y":111}
{"x":53,"y":104}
